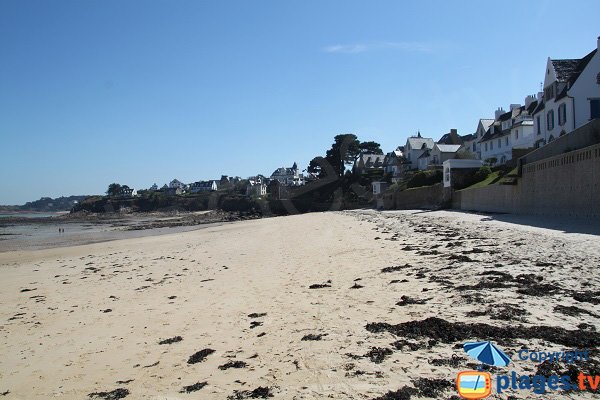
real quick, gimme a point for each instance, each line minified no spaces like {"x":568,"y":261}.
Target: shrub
{"x":425,"y":178}
{"x":482,"y":173}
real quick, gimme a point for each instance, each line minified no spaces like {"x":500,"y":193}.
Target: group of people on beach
{"x":61,"y":230}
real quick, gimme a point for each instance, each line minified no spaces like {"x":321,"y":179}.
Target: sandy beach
{"x":342,"y":305}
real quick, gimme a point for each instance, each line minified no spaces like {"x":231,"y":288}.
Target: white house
{"x":175,"y":184}
{"x":482,"y":127}
{"x":571,"y":96}
{"x":393,"y":163}
{"x":424,"y":160}
{"x":414,"y":148}
{"x":510,"y":130}
{"x":442,"y":152}
{"x":203,"y":186}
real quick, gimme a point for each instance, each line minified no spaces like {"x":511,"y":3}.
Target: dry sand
{"x":88,"y":319}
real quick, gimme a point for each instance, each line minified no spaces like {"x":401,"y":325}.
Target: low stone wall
{"x":428,"y":197}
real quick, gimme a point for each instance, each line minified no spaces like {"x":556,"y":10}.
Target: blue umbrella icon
{"x":487,"y":353}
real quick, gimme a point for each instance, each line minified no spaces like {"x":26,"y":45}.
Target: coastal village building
{"x":482,"y":127}
{"x":394,"y":164}
{"x":510,"y":131}
{"x":368,"y":162}
{"x":174,"y":184}
{"x":256,"y":186}
{"x":441,"y":153}
{"x":571,"y":96}
{"x":415,"y":147}
{"x":288,"y":176}
{"x":203,"y":186}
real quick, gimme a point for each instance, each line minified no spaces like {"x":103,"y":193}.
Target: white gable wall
{"x":584,"y":89}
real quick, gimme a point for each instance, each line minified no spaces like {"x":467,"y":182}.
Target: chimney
{"x":529,"y":99}
{"x":499,"y":112}
{"x":598,"y":43}
{"x":454,"y":131}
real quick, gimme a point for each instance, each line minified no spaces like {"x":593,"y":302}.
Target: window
{"x":550,"y":120}
{"x":549,"y":92}
{"x":474,"y":147}
{"x":594,"y":108}
{"x":539,"y":125}
{"x":516,"y":134}
{"x":562,"y":114}
{"x":499,"y":143}
{"x":507,"y":140}
{"x":486,"y":147}
{"x":598,"y":78}
{"x":491,"y":145}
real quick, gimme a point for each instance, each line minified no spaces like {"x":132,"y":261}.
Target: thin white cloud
{"x":364,"y":47}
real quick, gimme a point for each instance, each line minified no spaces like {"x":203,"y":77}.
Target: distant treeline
{"x":312,"y":197}
{"x":47,"y":204}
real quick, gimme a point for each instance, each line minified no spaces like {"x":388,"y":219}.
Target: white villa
{"x":288,"y":176}
{"x":415,"y":147}
{"x":509,"y":130}
{"x":571,"y":96}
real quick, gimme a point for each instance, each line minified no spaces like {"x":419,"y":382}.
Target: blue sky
{"x":137,"y":92}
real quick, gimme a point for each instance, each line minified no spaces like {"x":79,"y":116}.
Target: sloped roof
{"x":568,"y":70}
{"x":486,"y":123}
{"x":451,"y":137}
{"x":418,"y":142}
{"x":448,"y":148}
{"x":469,"y":137}
{"x":495,"y":131}
{"x":564,"y":68}
{"x":425,"y":154}
{"x":373,"y":158}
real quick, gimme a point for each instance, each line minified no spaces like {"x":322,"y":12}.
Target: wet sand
{"x":18,"y":233}
{"x":352,"y":305}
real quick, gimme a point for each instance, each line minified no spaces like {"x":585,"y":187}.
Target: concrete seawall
{"x":567,"y":184}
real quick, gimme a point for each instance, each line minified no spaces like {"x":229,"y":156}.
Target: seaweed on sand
{"x":312,"y":336}
{"x":406,"y":300}
{"x":396,"y":268}
{"x":193,"y":388}
{"x":112,"y":395}
{"x":261,"y":392}
{"x":233,"y":364}
{"x":199,"y":356}
{"x":450,"y":332}
{"x":378,"y":354}
{"x":174,"y":339}
{"x":424,"y":387}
